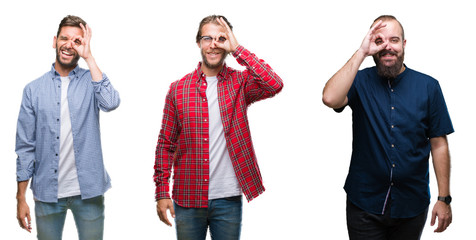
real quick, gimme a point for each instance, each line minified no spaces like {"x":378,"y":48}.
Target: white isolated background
{"x":303,"y":147}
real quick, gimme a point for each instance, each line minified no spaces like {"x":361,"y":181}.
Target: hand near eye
{"x":82,"y":47}
{"x":230,"y":43}
{"x":369,"y":45}
{"x":81,"y":44}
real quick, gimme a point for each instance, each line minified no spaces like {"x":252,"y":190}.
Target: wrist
{"x":235,"y":48}
{"x":446,"y":199}
{"x":362,"y":53}
{"x":21,"y":198}
{"x":358,"y":57}
{"x":89,"y":59}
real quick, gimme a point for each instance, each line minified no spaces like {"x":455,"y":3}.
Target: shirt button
{"x":204,"y":99}
{"x":393,"y":126}
{"x":393,"y":165}
{"x":204,"y":84}
{"x":393,"y":145}
{"x":206,"y":160}
{"x":57,"y":137}
{"x":206,"y":139}
{"x":206,"y":180}
{"x":391,"y":184}
{"x":205,"y":119}
{"x":393,"y":108}
{"x":391,"y":89}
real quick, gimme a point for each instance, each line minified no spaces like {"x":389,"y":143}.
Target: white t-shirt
{"x":68,"y":184}
{"x":223,"y":182}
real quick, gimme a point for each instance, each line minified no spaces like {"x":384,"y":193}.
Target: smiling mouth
{"x":67,"y":53}
{"x":387,"y":54}
{"x":214,"y":54}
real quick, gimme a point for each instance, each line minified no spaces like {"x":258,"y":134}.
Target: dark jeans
{"x":366,"y":226}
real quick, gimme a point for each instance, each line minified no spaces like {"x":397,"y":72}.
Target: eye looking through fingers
{"x":221,"y":39}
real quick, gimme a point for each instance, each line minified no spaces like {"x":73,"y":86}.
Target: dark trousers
{"x":366,"y":226}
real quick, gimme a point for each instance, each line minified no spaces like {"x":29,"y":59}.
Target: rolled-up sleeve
{"x":25,"y":138}
{"x":262,"y":81}
{"x":107,"y":97}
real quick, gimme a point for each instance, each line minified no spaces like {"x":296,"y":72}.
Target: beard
{"x":71,"y":64}
{"x":213,"y":66}
{"x":390,"y":72}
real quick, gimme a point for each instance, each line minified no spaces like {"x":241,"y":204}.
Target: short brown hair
{"x":389,"y":17}
{"x":211,"y":19}
{"x":72,"y":21}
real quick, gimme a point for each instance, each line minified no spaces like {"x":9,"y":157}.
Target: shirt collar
{"x":222,"y":75}
{"x":71,"y":74}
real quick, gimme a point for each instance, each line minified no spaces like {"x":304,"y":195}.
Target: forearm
{"x":96,"y":73}
{"x":335,"y":91}
{"x":21,"y":190}
{"x":165,"y":154}
{"x":263,"y":81}
{"x":107,"y":97}
{"x":163,"y":168}
{"x":441,"y":164}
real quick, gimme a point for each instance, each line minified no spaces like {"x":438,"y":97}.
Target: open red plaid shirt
{"x":183,"y":140}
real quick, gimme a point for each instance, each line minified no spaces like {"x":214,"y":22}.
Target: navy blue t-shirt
{"x":393,"y":122}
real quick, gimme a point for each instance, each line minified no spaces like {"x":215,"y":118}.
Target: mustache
{"x":383,"y":52}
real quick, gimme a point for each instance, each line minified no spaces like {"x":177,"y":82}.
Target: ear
{"x":404,"y":43}
{"x":54,"y":42}
{"x":198,"y":44}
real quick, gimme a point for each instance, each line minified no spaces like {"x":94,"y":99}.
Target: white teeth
{"x":66,"y":53}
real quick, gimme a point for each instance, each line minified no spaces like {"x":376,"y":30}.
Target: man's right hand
{"x":374,"y":42}
{"x":162,"y":206}
{"x":23,"y":215}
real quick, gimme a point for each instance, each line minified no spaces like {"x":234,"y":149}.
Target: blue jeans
{"x":88,"y":215}
{"x":222,"y":215}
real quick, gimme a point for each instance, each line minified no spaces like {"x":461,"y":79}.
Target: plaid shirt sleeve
{"x":166,"y":146}
{"x":262,"y":81}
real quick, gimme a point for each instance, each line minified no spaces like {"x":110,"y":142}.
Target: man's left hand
{"x":444,"y":214}
{"x":230,"y":43}
{"x":81,"y":43}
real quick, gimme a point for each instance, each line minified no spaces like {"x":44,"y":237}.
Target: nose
{"x":388,"y":47}
{"x":69,"y":44}
{"x":213,"y":43}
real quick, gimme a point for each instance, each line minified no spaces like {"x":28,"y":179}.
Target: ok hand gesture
{"x":230,"y":44}
{"x":374,"y":42}
{"x":81,"y":45}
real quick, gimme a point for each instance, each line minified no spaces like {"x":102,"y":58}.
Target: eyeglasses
{"x":207,"y":40}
